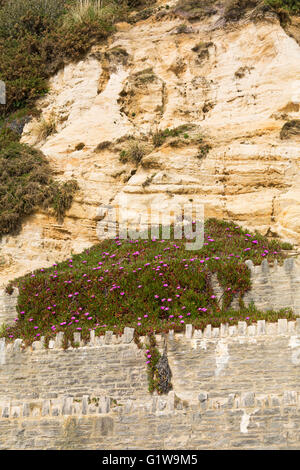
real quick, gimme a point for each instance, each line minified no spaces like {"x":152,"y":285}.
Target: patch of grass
{"x":45,"y":127}
{"x":181,"y":135}
{"x":62,"y":197}
{"x":134,"y":153}
{"x":7,"y":137}
{"x":26,"y":184}
{"x":290,"y":129}
{"x":152,"y":357}
{"x":286,"y":246}
{"x":83,"y":12}
{"x":3,"y":329}
{"x":203,"y":150}
{"x":159,"y":137}
{"x":151,"y":285}
{"x":182,"y":29}
{"x":144,"y":76}
{"x":291,"y":6}
{"x":236,"y":9}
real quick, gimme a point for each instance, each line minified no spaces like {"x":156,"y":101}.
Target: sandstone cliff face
{"x":237,"y":85}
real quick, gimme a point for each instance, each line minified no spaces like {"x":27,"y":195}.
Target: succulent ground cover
{"x":152,"y":285}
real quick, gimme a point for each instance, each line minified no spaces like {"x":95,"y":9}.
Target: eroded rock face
{"x":239,"y":84}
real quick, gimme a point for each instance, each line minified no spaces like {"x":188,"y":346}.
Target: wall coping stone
{"x":241,"y":330}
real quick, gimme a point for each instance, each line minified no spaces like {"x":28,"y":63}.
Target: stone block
{"x":128,"y":335}
{"x":282,"y":326}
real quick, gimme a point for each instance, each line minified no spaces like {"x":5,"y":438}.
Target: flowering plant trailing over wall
{"x":150,"y":285}
{"x":152,"y":357}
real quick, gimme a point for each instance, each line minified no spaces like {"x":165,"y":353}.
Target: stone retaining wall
{"x":233,"y":387}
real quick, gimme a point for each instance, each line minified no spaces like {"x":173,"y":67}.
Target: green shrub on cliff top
{"x":37,"y":38}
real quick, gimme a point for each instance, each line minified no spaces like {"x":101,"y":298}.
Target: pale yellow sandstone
{"x":239,"y":95}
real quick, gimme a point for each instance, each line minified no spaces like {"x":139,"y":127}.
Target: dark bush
{"x":292,"y":6}
{"x":26,"y":184}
